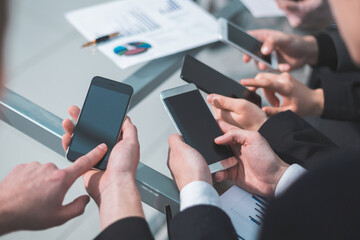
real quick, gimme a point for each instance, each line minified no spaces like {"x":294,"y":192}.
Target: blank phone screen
{"x":247,"y":42}
{"x":211,"y":81}
{"x":100,"y":121}
{"x":197,"y":125}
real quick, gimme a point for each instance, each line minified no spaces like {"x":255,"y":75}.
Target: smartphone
{"x":233,"y":35}
{"x":211,"y":81}
{"x":194,"y":121}
{"x":101,"y":119}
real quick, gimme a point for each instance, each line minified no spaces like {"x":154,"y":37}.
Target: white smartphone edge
{"x":215,"y":167}
{"x":223,"y":36}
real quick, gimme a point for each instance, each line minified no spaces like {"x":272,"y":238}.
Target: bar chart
{"x":170,"y":7}
{"x":246,"y":211}
{"x":260,"y":207}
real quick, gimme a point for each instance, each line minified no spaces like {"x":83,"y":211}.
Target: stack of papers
{"x":148,"y":29}
{"x":245,"y":210}
{"x":263,"y":8}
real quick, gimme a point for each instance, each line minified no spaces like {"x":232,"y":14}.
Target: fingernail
{"x":244,"y":81}
{"x":102,"y":146}
{"x":264,"y":50}
{"x":217,"y":178}
{"x":210,"y":98}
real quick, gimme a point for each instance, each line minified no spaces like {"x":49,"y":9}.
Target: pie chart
{"x":132,"y":48}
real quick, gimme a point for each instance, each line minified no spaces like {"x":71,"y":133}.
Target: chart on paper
{"x":148,"y":29}
{"x":170,"y":7}
{"x":245,"y":210}
{"x":136,"y":22}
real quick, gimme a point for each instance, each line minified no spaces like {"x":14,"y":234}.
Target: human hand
{"x":113,"y":190}
{"x":292,"y":51}
{"x":259,"y":169}
{"x":32,"y":194}
{"x":187,"y":164}
{"x":237,"y":112}
{"x":296,"y":96}
{"x":307,"y":13}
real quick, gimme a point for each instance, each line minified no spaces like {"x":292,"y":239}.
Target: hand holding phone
{"x":238,"y":38}
{"x":194,"y":121}
{"x":293,"y":51}
{"x":101,"y":118}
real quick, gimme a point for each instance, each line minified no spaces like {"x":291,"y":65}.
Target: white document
{"x":263,"y":8}
{"x":245,"y":210}
{"x":149,"y":29}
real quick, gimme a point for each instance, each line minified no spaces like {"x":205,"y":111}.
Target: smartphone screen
{"x":211,"y":81}
{"x":101,"y":118}
{"x":247,"y":42}
{"x":197,"y":125}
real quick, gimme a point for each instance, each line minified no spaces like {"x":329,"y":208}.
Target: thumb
{"x":176,"y":141}
{"x":221,"y":176}
{"x":271,"y":111}
{"x":290,"y":6}
{"x":221,"y":102}
{"x":268,"y":46}
{"x":75,"y":208}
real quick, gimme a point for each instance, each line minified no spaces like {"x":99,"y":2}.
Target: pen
{"x":101,"y":39}
{"x":168,"y":218}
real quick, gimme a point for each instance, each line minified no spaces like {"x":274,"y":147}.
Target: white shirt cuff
{"x":198,"y":193}
{"x":293,"y":173}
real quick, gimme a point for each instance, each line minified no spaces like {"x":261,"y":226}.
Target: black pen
{"x":168,"y":218}
{"x":101,"y":39}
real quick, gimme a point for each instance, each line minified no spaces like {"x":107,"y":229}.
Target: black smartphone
{"x":194,"y":121}
{"x":211,"y":81}
{"x":241,"y":40}
{"x":101,"y":118}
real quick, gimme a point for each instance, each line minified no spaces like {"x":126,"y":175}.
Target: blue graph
{"x":260,"y":208}
{"x":170,"y":7}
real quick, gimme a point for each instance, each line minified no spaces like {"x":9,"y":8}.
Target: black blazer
{"x":195,"y":223}
{"x":338,"y":76}
{"x":296,"y":141}
{"x":134,"y":228}
{"x":324,"y":204}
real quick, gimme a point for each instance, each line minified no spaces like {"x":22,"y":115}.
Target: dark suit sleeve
{"x":296,"y":141}
{"x":341,"y":97}
{"x":333,"y":52}
{"x":128,"y":228}
{"x":202,"y":222}
{"x":324,"y":204}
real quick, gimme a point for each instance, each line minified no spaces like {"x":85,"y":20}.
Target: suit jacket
{"x":195,"y":223}
{"x":333,"y":52}
{"x":324,"y":204}
{"x":296,"y":141}
{"x":134,"y":228}
{"x":340,"y":79}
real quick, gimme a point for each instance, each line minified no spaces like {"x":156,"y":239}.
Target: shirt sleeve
{"x":293,"y":173}
{"x":198,"y":193}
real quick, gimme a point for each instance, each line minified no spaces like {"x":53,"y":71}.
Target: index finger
{"x":85,"y":163}
{"x":266,"y":80}
{"x":222,"y":102}
{"x":260,"y":34}
{"x":74,"y":112}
